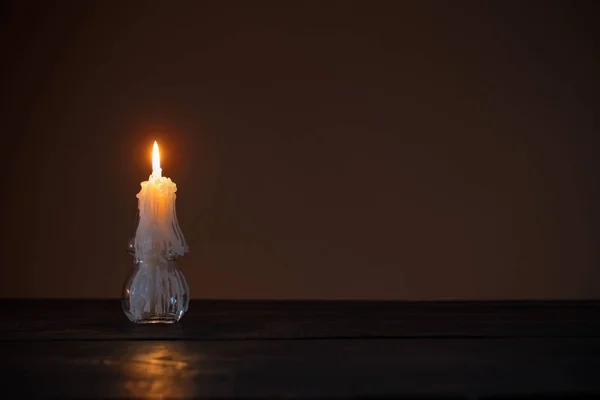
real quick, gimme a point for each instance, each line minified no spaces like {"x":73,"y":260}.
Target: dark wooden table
{"x":258,"y":349}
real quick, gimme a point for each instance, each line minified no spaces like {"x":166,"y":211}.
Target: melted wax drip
{"x":158,"y":233}
{"x":157,"y":288}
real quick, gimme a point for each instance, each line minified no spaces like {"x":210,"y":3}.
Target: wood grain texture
{"x":222,"y":349}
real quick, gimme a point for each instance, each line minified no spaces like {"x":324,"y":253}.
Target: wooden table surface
{"x":312,"y":349}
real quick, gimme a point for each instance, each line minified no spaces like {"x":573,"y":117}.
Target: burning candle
{"x":158,"y":235}
{"x":156,"y":291}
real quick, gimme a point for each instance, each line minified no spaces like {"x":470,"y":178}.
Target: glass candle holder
{"x":156,"y":290}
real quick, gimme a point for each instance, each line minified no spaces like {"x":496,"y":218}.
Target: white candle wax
{"x":158,"y":234}
{"x":158,"y":237}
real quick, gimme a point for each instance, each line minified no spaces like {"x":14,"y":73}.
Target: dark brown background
{"x":331,"y":149}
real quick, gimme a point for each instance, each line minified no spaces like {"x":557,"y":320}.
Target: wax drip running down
{"x":157,"y":288}
{"x":158,"y":233}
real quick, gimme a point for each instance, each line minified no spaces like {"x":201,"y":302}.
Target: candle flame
{"x":155,"y":157}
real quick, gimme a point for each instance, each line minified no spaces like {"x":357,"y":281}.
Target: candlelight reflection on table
{"x":158,"y":370}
